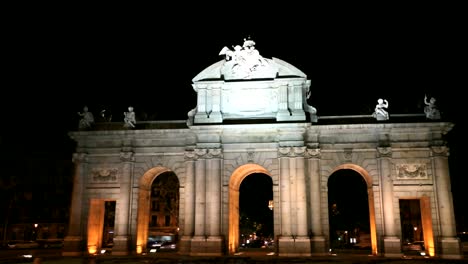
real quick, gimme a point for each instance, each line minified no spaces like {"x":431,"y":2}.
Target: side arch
{"x":144,"y":195}
{"x":234,"y":184}
{"x":370,"y":195}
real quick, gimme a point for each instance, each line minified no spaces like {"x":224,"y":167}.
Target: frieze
{"x":411,"y":171}
{"x":101,"y":174}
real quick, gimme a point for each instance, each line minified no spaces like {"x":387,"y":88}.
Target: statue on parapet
{"x":129,"y":118}
{"x":380,"y":113}
{"x":430,"y":109}
{"x":87,"y":119}
{"x":191,"y":116}
{"x":310,"y":109}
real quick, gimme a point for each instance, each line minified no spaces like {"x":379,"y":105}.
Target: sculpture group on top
{"x":245,"y":62}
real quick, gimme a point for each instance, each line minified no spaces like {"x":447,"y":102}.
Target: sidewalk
{"x":166,"y":258}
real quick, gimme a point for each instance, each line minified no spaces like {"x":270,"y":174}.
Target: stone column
{"x":283,"y":112}
{"x":316,"y":231}
{"x":189,"y":203}
{"x":121,"y":240}
{"x":285,"y":193}
{"x":200,"y":188}
{"x":213,"y":192}
{"x":449,"y":242}
{"x":391,"y":241}
{"x":213,"y":202}
{"x":202,"y":112}
{"x":301,"y":201}
{"x":215,"y":115}
{"x":201,"y":100}
{"x":198,"y":242}
{"x":315,"y":191}
{"x":73,"y":240}
{"x":296,"y":97}
{"x":293,"y":240}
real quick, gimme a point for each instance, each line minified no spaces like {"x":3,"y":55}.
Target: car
{"x":22,"y":244}
{"x":153,"y":245}
{"x":168,"y":246}
{"x":50,"y":243}
{"x":414,"y":248}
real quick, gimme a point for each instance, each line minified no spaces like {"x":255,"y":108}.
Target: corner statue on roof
{"x":380,"y":113}
{"x":245,"y":62}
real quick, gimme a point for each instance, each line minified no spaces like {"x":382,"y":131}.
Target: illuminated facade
{"x":211,"y":158}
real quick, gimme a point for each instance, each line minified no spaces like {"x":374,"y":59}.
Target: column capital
{"x":314,"y":153}
{"x":291,"y":151}
{"x":208,"y":153}
{"x":216,"y":153}
{"x":440,"y":151}
{"x":384,"y":152}
{"x":127,"y":156}
{"x":190,"y":155}
{"x":79,"y":157}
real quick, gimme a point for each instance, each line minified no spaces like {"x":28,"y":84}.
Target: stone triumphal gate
{"x":215,"y":151}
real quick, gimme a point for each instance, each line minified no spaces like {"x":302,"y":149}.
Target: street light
{"x":34,"y":237}
{"x":270,"y":204}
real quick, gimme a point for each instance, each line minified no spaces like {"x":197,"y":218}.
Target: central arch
{"x":370,"y":195}
{"x":234,"y":184}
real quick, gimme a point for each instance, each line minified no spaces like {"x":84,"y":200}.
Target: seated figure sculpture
{"x":430,"y":109}
{"x":129,"y":118}
{"x":380,"y":113}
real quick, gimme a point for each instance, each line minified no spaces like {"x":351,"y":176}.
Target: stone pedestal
{"x":72,"y":246}
{"x":206,"y":246}
{"x":289,"y":246}
{"x":184,"y":245}
{"x":318,"y":246}
{"x":450,"y":248}
{"x":392,"y":247}
{"x":120,"y":247}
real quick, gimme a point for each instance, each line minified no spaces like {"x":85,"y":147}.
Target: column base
{"x":121,"y":246}
{"x":283,"y":115}
{"x":318,"y":246}
{"x":206,"y":246}
{"x":392,"y":247}
{"x":450,"y":248}
{"x":73,"y":246}
{"x":294,"y":247}
{"x":184,"y":245}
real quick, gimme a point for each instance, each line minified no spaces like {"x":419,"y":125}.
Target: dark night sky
{"x":59,"y":59}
